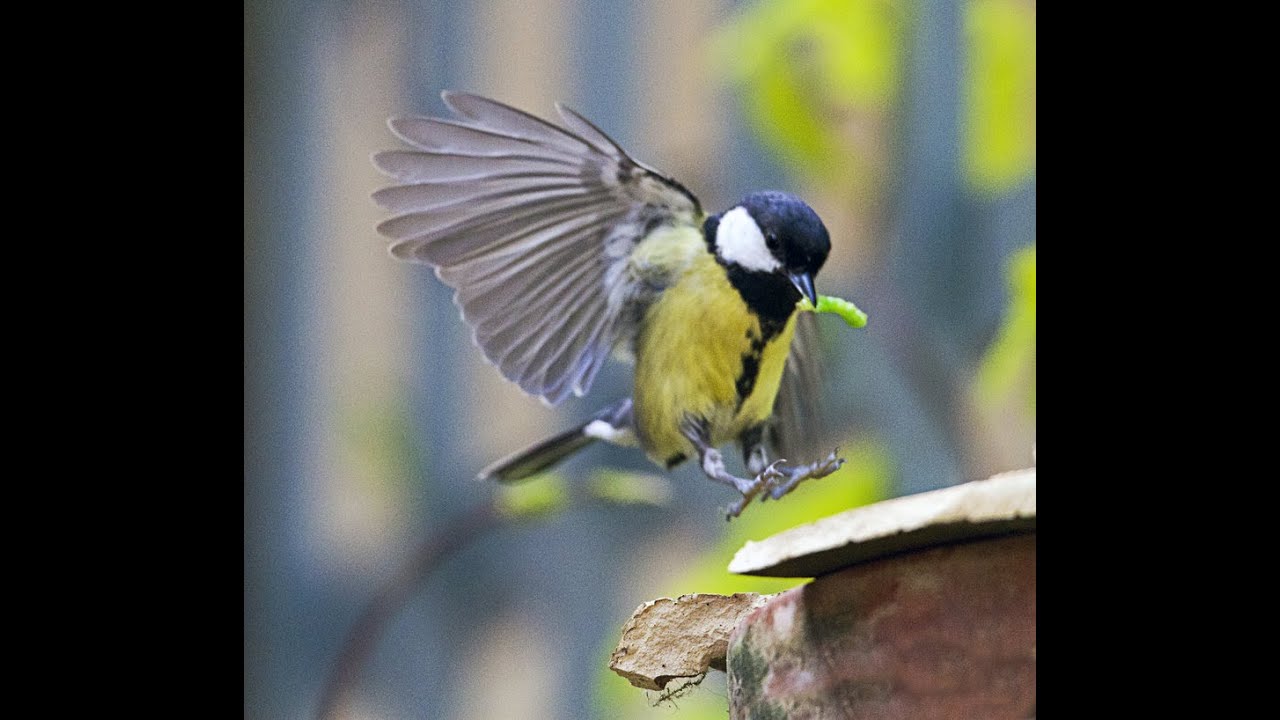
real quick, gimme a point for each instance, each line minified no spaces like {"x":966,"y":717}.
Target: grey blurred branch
{"x":364,"y":635}
{"x":606,"y":488}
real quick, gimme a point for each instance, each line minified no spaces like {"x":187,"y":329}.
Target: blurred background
{"x":909,"y":126}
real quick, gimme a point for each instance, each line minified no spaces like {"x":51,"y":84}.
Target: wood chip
{"x":668,"y":639}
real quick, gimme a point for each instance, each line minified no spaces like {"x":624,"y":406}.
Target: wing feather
{"x":463,"y":238}
{"x":588,"y":131}
{"x":475,"y":214}
{"x":413,"y":167}
{"x":423,"y":197}
{"x":529,"y":222}
{"x":486,"y":302}
{"x":514,"y":122}
{"x":795,"y":432}
{"x":446,"y":136}
{"x":517,"y":336}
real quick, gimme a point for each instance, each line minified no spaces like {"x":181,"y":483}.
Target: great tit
{"x":563,"y":250}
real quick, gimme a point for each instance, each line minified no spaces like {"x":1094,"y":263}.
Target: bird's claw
{"x":766,"y":479}
{"x":771,"y":475}
{"x":796,"y":475}
{"x":778,"y":480}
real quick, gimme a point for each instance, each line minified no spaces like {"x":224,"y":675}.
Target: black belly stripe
{"x":746,"y":381}
{"x":675,"y":460}
{"x":769,"y":296}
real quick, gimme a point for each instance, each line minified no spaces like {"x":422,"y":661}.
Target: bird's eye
{"x":771,"y":240}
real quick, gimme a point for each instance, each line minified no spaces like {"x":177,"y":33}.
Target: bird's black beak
{"x":804,"y":283}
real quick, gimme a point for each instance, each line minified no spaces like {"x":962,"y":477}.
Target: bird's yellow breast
{"x":700,"y":352}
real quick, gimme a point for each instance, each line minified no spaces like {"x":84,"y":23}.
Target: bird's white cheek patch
{"x":739,"y":240}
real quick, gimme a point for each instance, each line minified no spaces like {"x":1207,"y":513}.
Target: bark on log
{"x":947,"y":633}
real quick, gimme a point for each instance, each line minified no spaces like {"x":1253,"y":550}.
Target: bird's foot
{"x":786,"y":478}
{"x":751,"y":488}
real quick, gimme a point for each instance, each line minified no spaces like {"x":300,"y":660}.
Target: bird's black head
{"x":769,"y":236}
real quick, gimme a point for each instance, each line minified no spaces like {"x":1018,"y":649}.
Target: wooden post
{"x":943,"y":633}
{"x":921,"y":607}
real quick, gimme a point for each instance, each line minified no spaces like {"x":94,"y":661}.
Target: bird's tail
{"x":612,"y":424}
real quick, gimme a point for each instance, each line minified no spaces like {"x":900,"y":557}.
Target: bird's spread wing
{"x":531,"y":224}
{"x":795,"y":432}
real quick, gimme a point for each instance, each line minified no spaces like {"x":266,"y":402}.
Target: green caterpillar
{"x":837,"y":306}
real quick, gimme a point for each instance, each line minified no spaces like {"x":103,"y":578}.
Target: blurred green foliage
{"x":548,"y":492}
{"x":618,"y":487}
{"x":378,"y":441}
{"x":1011,"y":359}
{"x":807,"y":68}
{"x":1000,"y":85}
{"x":540,"y":495}
{"x":803,"y":66}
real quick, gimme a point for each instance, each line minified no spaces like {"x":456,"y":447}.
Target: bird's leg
{"x":784,"y":478}
{"x":754,"y":455}
{"x":788,"y":477}
{"x":713,"y":466}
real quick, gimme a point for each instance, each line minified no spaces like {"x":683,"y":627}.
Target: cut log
{"x":922,"y":607}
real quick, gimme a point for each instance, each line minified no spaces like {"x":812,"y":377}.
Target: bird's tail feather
{"x":537,"y":457}
{"x":612,"y":424}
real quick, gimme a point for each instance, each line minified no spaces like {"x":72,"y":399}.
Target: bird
{"x":563,"y":250}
